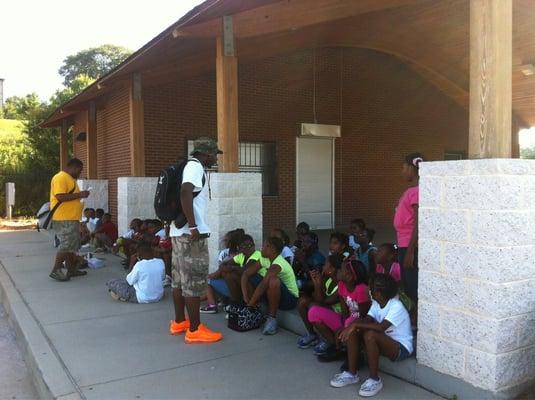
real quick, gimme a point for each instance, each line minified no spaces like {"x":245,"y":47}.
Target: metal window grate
{"x":257,"y":157}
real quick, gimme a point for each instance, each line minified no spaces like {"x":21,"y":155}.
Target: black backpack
{"x":167,"y":205}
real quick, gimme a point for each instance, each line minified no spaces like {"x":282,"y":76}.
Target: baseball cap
{"x":205,"y":145}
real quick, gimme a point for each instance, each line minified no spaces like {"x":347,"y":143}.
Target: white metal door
{"x":315,"y":182}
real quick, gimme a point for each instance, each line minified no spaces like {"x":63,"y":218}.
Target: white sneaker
{"x":371,"y":387}
{"x":167,"y":281}
{"x":344,"y":379}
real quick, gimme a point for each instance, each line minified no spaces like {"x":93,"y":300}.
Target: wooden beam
{"x":288,"y":16}
{"x":227,"y":108}
{"x":91,"y":141}
{"x":63,"y":144}
{"x":515,"y":138}
{"x":490,"y":78}
{"x":137,"y":128}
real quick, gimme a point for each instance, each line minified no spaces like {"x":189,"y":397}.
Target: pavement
{"x":80,"y":344}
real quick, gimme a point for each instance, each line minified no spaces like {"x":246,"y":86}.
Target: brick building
{"x":374,"y":80}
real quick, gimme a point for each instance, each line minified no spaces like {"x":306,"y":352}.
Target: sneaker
{"x":115,"y":296}
{"x":371,"y":387}
{"x":270,"y":326}
{"x":321,"y":348}
{"x":343,"y":379}
{"x":59,"y":276}
{"x":208,"y":309}
{"x":308,"y":340}
{"x":76,"y":272}
{"x":202,"y":335}
{"x":167,"y":281}
{"x":176,"y":328}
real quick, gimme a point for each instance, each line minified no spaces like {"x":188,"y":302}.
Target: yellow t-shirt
{"x":62,"y":183}
{"x":286,"y":275}
{"x":240,"y":258}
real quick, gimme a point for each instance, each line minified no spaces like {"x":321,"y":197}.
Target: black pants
{"x":409,"y":276}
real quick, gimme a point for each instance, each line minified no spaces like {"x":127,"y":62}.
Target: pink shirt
{"x":404,"y":218}
{"x":359,"y":295}
{"x":395,"y":271}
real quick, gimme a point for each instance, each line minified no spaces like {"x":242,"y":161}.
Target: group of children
{"x":350,"y":301}
{"x":97,"y":229}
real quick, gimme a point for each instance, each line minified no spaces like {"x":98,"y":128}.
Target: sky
{"x":37,"y":35}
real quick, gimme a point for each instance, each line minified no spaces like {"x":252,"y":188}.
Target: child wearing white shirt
{"x":144,"y":284}
{"x":386,"y":330}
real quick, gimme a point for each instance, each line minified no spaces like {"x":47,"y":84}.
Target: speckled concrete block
{"x":477,"y":271}
{"x":99,"y":193}
{"x":135,"y":199}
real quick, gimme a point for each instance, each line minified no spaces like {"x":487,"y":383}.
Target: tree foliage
{"x":94,"y":62}
{"x":17,"y":108}
{"x":528,"y":152}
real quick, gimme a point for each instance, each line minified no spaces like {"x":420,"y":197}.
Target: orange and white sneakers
{"x":203,"y":335}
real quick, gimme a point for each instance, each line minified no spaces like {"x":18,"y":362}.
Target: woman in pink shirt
{"x":406,"y":225}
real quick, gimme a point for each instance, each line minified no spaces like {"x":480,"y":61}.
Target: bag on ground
{"x":243,"y":318}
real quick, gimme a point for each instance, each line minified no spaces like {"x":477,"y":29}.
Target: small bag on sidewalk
{"x":244,"y":318}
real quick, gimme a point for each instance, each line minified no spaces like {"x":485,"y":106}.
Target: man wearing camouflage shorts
{"x":190,"y":246}
{"x":66,"y":219}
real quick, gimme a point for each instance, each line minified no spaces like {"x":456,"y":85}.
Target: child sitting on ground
{"x":325,"y":295}
{"x":301,"y":230}
{"x":97,"y":220}
{"x":355,"y":227}
{"x":354,"y":297}
{"x":105,"y":235}
{"x":226,"y":281}
{"x":287,"y":253}
{"x":123,"y":242}
{"x":230,"y":245}
{"x":386,"y":261}
{"x":366,"y":251}
{"x":144,"y":283}
{"x":307,"y":258}
{"x":272,"y":278}
{"x":386,"y":330}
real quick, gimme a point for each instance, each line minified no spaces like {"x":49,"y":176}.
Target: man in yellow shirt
{"x":66,"y":219}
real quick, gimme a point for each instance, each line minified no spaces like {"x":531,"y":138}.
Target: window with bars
{"x":257,"y":157}
{"x":454,"y":155}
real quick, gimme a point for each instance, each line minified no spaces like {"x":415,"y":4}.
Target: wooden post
{"x":91,"y":142}
{"x":227,"y":100}
{"x":137,"y":128}
{"x":490,"y":78}
{"x":63,"y":144}
{"x":515,"y":139}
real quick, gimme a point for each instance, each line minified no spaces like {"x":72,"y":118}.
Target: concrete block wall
{"x":477,"y":272}
{"x":99,"y":193}
{"x":236,"y":202}
{"x":135,"y":199}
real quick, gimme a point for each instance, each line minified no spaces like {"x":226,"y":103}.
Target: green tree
{"x":93,"y":62}
{"x":528,"y":152}
{"x":16,"y":107}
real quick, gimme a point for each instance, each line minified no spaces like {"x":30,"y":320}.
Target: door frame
{"x":333,"y":188}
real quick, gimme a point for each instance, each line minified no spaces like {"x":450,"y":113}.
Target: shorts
{"x":403,"y":353}
{"x":221,"y":287}
{"x":190,"y":265}
{"x":329,"y":317}
{"x":287,"y":301}
{"x":122,"y":289}
{"x":68,"y":233}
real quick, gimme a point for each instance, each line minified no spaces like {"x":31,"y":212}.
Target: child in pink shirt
{"x":386,"y":261}
{"x":355,"y":301}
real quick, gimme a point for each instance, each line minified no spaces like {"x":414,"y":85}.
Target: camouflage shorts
{"x":190,"y":266}
{"x":68,"y":233}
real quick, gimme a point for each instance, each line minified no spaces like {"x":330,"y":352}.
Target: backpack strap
{"x":51,"y":213}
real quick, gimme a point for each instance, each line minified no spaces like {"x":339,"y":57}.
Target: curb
{"x":49,"y":375}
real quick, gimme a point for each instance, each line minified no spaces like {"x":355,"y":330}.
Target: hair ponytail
{"x":414,"y":160}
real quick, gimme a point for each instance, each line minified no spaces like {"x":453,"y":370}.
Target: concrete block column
{"x":99,"y":193}
{"x":236,"y":202}
{"x":477,"y":273}
{"x":135,"y":199}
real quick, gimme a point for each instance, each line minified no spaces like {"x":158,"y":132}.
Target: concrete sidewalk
{"x":82,"y":344}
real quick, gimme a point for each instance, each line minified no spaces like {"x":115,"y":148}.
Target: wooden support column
{"x":515,"y":138}
{"x":137,"y":128}
{"x":490,"y":78}
{"x":63,"y":144}
{"x":227,"y":99}
{"x":91,"y":142}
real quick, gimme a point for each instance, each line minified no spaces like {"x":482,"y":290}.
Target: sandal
{"x":59,"y":276}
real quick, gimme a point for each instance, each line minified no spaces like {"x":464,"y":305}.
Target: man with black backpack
{"x":189,"y":234}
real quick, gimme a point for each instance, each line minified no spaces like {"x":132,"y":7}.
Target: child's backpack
{"x":243,"y":318}
{"x":167,"y":205}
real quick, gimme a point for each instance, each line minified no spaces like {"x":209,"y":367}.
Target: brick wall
{"x":386,"y":111}
{"x":113,"y":142}
{"x":80,"y":148}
